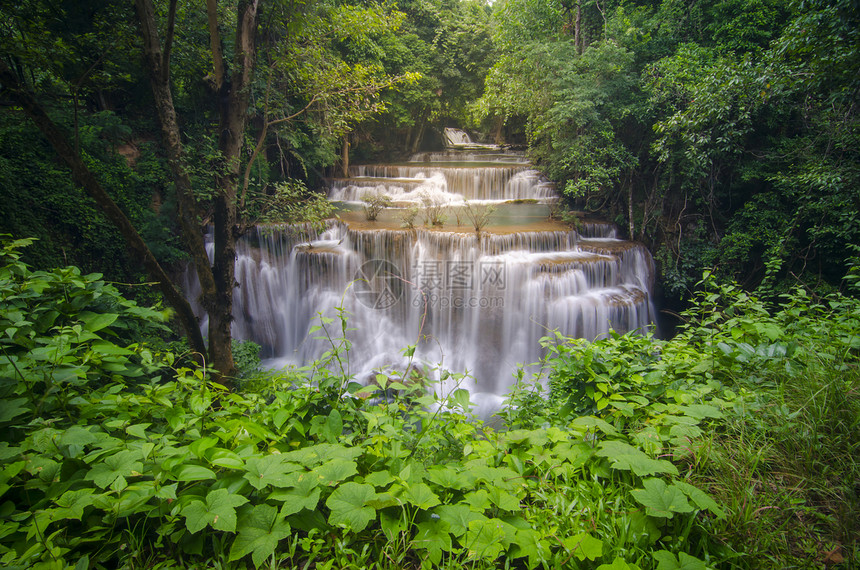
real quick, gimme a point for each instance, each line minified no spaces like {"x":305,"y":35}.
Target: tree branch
{"x":168,"y":42}
{"x":215,"y":43}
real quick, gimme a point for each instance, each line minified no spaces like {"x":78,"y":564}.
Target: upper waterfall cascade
{"x":463,"y":172}
{"x":468,"y":302}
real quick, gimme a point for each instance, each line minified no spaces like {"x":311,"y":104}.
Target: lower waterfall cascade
{"x":472,"y":302}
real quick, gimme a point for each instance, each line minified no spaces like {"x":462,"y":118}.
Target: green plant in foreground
{"x":113,"y":458}
{"x":165,"y":467}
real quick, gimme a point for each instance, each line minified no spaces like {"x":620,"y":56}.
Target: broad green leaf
{"x":225,"y":458}
{"x":95,"y":322}
{"x":12,"y":408}
{"x":420,"y":495}
{"x":335,"y":470}
{"x":120,"y":465}
{"x":199,"y":446}
{"x":272,"y":469}
{"x":138,"y":430}
{"x":503,"y":499}
{"x":667,"y":561}
{"x":72,"y":504}
{"x":529,"y":543}
{"x":701,"y":498}
{"x":260,"y":530}
{"x":348,"y":506}
{"x":483,"y":539}
{"x":618,"y":564}
{"x":302,"y":493}
{"x":502,"y":477}
{"x":479,"y":501}
{"x":450,"y":477}
{"x":333,"y":426}
{"x":625,"y":457}
{"x":434,"y":537}
{"x":105,"y":347}
{"x":584,"y":546}
{"x":662,"y":500}
{"x":191,"y":472}
{"x":379,"y":478}
{"x":458,"y":517}
{"x":590,"y":423}
{"x":219,"y":511}
{"x":701,"y":411}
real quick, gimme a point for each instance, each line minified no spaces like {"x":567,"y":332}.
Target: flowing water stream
{"x":470,"y":303}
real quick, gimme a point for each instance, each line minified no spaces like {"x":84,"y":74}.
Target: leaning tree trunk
{"x":112,"y":212}
{"x":158,"y":67}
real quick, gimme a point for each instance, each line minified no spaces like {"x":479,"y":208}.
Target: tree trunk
{"x":159,"y":75}
{"x":85,"y":178}
{"x":631,"y":226}
{"x":233,"y":100}
{"x":345,"y":156}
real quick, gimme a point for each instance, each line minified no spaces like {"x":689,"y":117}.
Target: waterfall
{"x":470,"y":303}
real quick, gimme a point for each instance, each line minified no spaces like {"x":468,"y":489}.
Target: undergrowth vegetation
{"x":732,"y":445}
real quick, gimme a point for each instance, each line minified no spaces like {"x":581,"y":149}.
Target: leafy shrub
{"x":374,"y":203}
{"x":110,"y":463}
{"x":111,"y":458}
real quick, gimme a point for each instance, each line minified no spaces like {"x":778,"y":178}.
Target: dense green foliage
{"x":724,"y":134}
{"x":647,"y":453}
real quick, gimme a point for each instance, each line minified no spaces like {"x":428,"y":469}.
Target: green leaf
{"x":11,"y":409}
{"x":458,"y":517}
{"x":662,"y":500}
{"x":618,"y":564}
{"x":260,"y":530}
{"x":272,"y":469}
{"x":379,"y":478}
{"x":701,"y":498}
{"x":225,"y":458}
{"x":625,"y":457}
{"x":72,"y":504}
{"x":450,"y":477}
{"x":701,"y":411}
{"x":420,"y":495}
{"x":348,"y":506}
{"x":199,"y":446}
{"x":190,"y":472}
{"x":503,"y":499}
{"x":529,"y":543}
{"x":303,"y":493}
{"x":105,"y":347}
{"x":590,"y":423}
{"x":433,"y":536}
{"x":95,"y":322}
{"x":667,"y":561}
{"x":484,"y":538}
{"x":219,"y":511}
{"x":478,"y":501}
{"x":120,"y":465}
{"x":335,"y":470}
{"x":584,"y":546}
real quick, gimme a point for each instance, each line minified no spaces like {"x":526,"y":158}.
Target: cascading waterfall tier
{"x":469,"y":302}
{"x":461,"y":173}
